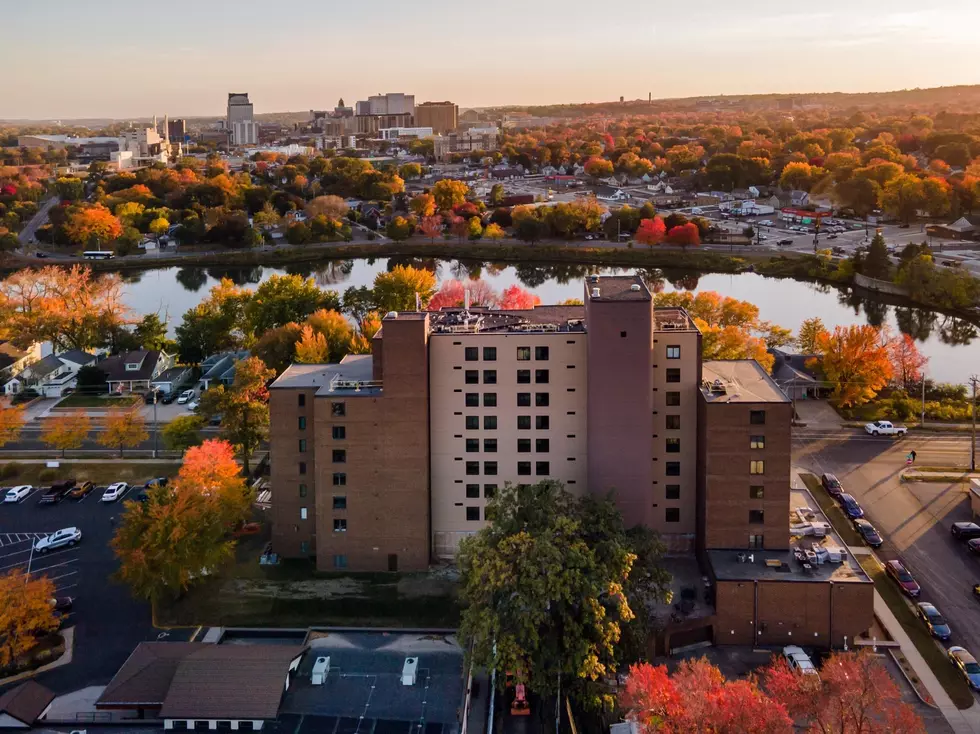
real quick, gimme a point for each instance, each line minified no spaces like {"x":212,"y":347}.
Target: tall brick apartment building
{"x":385,"y":461}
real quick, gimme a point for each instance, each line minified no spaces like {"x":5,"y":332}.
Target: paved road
{"x":914,"y":518}
{"x":26,"y":235}
{"x":30,"y":444}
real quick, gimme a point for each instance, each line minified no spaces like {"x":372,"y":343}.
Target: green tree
{"x":876,"y":263}
{"x":903,"y":196}
{"x":530,"y":230}
{"x":409,"y":171}
{"x":151,"y":332}
{"x":283,"y":299}
{"x":298,"y":233}
{"x":277,"y":347}
{"x":399,"y":229}
{"x":70,"y":188}
{"x":396,"y":290}
{"x":496,"y":196}
{"x":811,"y":331}
{"x":183,"y":432}
{"x":216,"y":324}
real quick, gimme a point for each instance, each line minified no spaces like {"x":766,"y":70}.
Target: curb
{"x":931,"y":704}
{"x":68,"y":636}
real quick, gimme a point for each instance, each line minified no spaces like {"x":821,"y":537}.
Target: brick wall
{"x":292,"y":536}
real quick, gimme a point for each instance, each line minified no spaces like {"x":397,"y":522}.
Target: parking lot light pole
{"x":30,"y":558}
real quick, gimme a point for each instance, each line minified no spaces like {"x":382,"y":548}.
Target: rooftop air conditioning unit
{"x":321,"y":669}
{"x":391,"y":315}
{"x":635,"y":287}
{"x":410,"y":671}
{"x":595,"y":292}
{"x":593,"y":278}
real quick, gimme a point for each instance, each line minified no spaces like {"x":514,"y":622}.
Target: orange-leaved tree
{"x":25,"y":614}
{"x":907,"y":361}
{"x":66,"y":432}
{"x":11,"y":423}
{"x":211,"y":470}
{"x":123,"y":428}
{"x":651,"y":231}
{"x":855,"y":360}
{"x":431,"y":227}
{"x":94,"y":225}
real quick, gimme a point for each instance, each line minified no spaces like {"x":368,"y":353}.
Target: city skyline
{"x":190,"y":64}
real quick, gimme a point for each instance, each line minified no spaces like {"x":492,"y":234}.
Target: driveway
{"x":817,"y":414}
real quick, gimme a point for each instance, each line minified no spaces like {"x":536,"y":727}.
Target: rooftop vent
{"x":391,"y":315}
{"x":593,"y":278}
{"x":635,"y":287}
{"x":718,"y":387}
{"x":410,"y":671}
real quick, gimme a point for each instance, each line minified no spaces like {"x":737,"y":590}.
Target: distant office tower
{"x":241,"y":120}
{"x":393,"y":103}
{"x":442,"y":117}
{"x":176,"y":130}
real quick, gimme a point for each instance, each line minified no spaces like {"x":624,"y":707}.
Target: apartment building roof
{"x":816,"y":552}
{"x":482,"y":320}
{"x":668,"y":318}
{"x":353,"y":374}
{"x":616,"y":288}
{"x":738,"y":381}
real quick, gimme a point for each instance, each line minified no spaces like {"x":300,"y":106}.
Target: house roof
{"x":230,"y":681}
{"x":77,"y":356}
{"x":26,"y":702}
{"x":115,"y":367}
{"x":46,"y":365}
{"x":145,"y":676}
{"x":169,"y":375}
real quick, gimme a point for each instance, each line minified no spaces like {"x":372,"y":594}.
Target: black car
{"x":56,"y":492}
{"x":169,"y":397}
{"x":832,"y":484}
{"x":784,"y":242}
{"x":965,"y":530}
{"x":61,"y":603}
{"x":153,"y":396}
{"x":868,"y":532}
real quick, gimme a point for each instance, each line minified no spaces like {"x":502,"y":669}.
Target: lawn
{"x":841,"y":522}
{"x":100,"y":472}
{"x":98,"y":401}
{"x":950,"y":679}
{"x":294,"y":594}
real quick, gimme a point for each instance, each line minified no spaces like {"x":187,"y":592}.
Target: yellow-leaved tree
{"x":25,"y":614}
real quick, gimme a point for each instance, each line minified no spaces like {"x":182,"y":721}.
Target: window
{"x":757,"y":442}
{"x":302,"y":422}
{"x":757,"y":417}
{"x":541,"y":376}
{"x":524,"y":468}
{"x":472,"y":400}
{"x":542,"y":445}
{"x":473,"y":514}
{"x":755,"y":541}
{"x":304,"y":546}
{"x":673,"y":398}
{"x":490,"y":445}
{"x":489,"y":377}
{"x":672,"y":514}
{"x":302,"y":513}
{"x":301,"y":400}
{"x":542,"y":468}
{"x":756,"y":492}
{"x":523,"y":422}
{"x":523,"y":400}
{"x":757,"y":517}
{"x":541,"y":353}
{"x":338,"y":409}
{"x":471,"y":377}
{"x":489,"y":490}
{"x":490,"y":468}
{"x":490,"y":422}
{"x":340,"y":561}
{"x":541,"y":399}
{"x":471,"y":354}
{"x":524,"y":354}
{"x":523,"y":377}
{"x":523,"y":445}
{"x":673,"y":468}
{"x":472,"y":423}
{"x":339,"y":433}
{"x":302,"y":445}
{"x":340,"y":479}
{"x":302,"y":490}
{"x":673,"y":352}
{"x":472,"y":491}
{"x":340,"y":524}
{"x":489,"y":400}
{"x":340,"y":501}
{"x":673,"y":445}
{"x":673,"y":374}
{"x":472,"y":445}
{"x":489,"y":354}
{"x":757,"y":467}
{"x":339,"y":456}
{"x":622,"y":335}
{"x":302,"y":467}
{"x":673,"y":491}
{"x":472,"y":468}
{"x":542,"y":422}
{"x":673,"y":422}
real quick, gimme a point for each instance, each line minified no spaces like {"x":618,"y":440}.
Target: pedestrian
{"x":912,"y":454}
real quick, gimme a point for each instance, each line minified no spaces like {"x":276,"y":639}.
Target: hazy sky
{"x":120,"y":58}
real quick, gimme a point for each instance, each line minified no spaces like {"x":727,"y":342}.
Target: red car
{"x":903,"y":578}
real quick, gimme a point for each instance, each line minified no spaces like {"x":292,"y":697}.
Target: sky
{"x":63,"y":59}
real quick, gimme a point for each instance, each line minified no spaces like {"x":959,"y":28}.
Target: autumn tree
{"x":398,"y":229}
{"x":336,"y":330}
{"x":597,"y":167}
{"x":277,"y":347}
{"x":808,"y":338}
{"x":423,"y":205}
{"x":855,"y":361}
{"x":529,"y":230}
{"x":651,"y":232}
{"x":903,"y":196}
{"x":516,"y":298}
{"x":456,"y":293}
{"x":210,"y":469}
{"x":25,"y":614}
{"x":93,"y":226}
{"x":493,"y":232}
{"x":244,"y":407}
{"x":907,"y":361}
{"x":403,"y":288}
{"x":11,"y":423}
{"x":332,"y":207}
{"x":312,"y":347}
{"x":280,"y":300}
{"x":459,"y":227}
{"x":183,"y":432}
{"x":684,"y":235}
{"x":123,"y":428}
{"x":449,"y":193}
{"x":65,"y":432}
{"x":431,"y":227}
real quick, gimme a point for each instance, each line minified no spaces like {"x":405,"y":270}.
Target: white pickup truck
{"x":885,"y":428}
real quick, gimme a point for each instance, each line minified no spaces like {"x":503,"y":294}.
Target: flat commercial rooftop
{"x":617,"y":288}
{"x":363,"y":691}
{"x":354,"y":368}
{"x":738,"y":381}
{"x":811,"y":534}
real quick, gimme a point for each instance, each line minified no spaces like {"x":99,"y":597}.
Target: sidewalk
{"x":966,"y":721}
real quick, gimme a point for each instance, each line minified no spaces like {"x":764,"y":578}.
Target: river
{"x":950,"y":344}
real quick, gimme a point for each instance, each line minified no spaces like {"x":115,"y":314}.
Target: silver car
{"x":64,"y":537}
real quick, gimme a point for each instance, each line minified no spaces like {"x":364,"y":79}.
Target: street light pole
{"x":155,"y":425}
{"x":973,"y":433}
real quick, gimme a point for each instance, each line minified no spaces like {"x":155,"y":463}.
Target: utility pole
{"x":922,"y":421}
{"x":973,"y":434}
{"x":155,"y":424}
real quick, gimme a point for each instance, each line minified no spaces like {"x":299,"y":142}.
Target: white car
{"x":193,"y":405}
{"x":185,"y":397}
{"x":16,"y":494}
{"x":766,"y":223}
{"x":798,"y":660}
{"x":66,"y":536}
{"x":114,"y":491}
{"x":885,"y":428}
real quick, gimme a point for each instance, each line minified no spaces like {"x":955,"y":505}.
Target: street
{"x":30,"y":444}
{"x":26,"y":235}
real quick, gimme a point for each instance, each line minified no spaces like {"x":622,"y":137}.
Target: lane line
{"x":36,"y":570}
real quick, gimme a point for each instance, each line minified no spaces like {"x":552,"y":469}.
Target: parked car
{"x":885,"y":428}
{"x":153,"y":396}
{"x":868,"y":532}
{"x":798,"y":660}
{"x":81,"y":491}
{"x":16,"y":494}
{"x":965,"y":530}
{"x":936,"y":622}
{"x":785,"y":242}
{"x":974,"y":545}
{"x":832,"y":484}
{"x":61,"y":603}
{"x":193,"y":405}
{"x":64,"y":537}
{"x":850,"y":506}
{"x":156,"y":482}
{"x":967,"y":665}
{"x":839,"y":251}
{"x":169,"y":397}
{"x":185,"y":397}
{"x":903,"y":578}
{"x":114,"y":491}
{"x":55,"y":493}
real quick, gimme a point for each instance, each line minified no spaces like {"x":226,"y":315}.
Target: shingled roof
{"x":145,"y":677}
{"x":26,"y":702}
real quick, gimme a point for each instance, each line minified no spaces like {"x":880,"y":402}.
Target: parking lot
{"x":108,"y":623}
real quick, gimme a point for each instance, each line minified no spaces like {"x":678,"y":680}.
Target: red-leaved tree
{"x":452,"y":294}
{"x":684,"y":235}
{"x":651,"y":231}
{"x":431,"y":227}
{"x":907,"y":361}
{"x":516,"y":297}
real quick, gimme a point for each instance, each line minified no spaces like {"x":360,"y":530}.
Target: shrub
{"x":10,"y":469}
{"x":47,"y":475}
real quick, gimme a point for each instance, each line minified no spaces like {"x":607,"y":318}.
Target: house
{"x":22,"y":706}
{"x":51,"y":376}
{"x":194,"y":685}
{"x":220,"y":368}
{"x":798,"y":198}
{"x":549,"y":171}
{"x":172,"y":379}
{"x":14,"y":359}
{"x":797,"y":380}
{"x":134,"y":371}
{"x":964,"y":228}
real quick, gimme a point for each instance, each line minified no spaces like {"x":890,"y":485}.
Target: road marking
{"x":35,"y":570}
{"x":64,"y":576}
